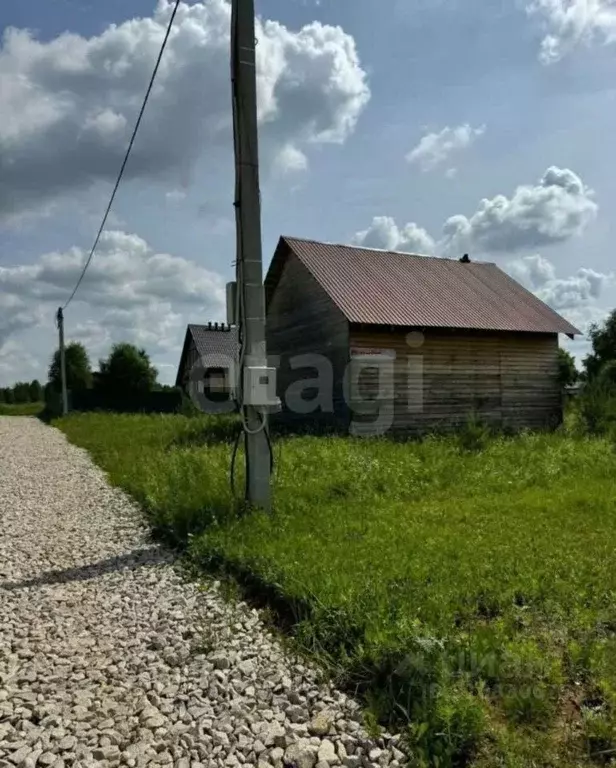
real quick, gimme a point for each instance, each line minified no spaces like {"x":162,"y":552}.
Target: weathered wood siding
{"x":214,"y":402}
{"x":188,"y":362}
{"x":508,"y":379}
{"x":302,"y":320}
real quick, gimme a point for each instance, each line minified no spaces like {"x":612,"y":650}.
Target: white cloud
{"x":16,"y":364}
{"x":570,"y":23}
{"x":384,"y":233}
{"x":290,"y":160}
{"x":175,"y":196}
{"x":69,"y":104}
{"x":434,"y":149}
{"x":576,"y":296}
{"x":583,"y":288}
{"x":532,"y":271}
{"x":130,"y":293}
{"x":155,"y":327}
{"x":555,"y":209}
{"x":125,"y":273}
{"x":15,"y":316}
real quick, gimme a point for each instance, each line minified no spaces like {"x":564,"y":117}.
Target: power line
{"x":128,"y":151}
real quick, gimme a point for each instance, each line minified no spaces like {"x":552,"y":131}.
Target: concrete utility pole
{"x":255,"y":379}
{"x":60,"y":319}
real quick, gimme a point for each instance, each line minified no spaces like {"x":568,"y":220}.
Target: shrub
{"x":567,"y":372}
{"x":77,"y":365}
{"x":474,"y":435}
{"x":598,"y":406}
{"x":127,"y":373}
{"x":607,"y":375}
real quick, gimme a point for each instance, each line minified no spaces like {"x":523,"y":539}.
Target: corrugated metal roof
{"x":215,"y":347}
{"x":391,"y":288}
{"x":221,"y":341}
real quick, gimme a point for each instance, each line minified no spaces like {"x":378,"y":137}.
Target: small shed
{"x":371,"y":341}
{"x":206,"y":366}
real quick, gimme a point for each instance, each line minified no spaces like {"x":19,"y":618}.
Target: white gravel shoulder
{"x":108,"y":657}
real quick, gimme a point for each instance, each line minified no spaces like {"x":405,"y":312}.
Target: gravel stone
{"x":327,"y":752}
{"x":321,"y":723}
{"x":301,"y":755}
{"x":110,"y":657}
{"x":20,"y":755}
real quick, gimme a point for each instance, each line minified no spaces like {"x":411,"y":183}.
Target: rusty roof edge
{"x":572,"y":330}
{"x":383,"y":251}
{"x":445,"y":327}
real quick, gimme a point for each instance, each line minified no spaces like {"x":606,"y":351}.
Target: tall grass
{"x":21,"y":409}
{"x":597,"y":408}
{"x":465,"y":588}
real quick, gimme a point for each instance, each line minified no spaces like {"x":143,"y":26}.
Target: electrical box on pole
{"x":256,"y":382}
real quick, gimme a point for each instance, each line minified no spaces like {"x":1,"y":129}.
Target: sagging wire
{"x":128,"y":151}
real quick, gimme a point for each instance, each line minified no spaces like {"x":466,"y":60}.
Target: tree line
{"x":22,"y":392}
{"x":126,"y":372}
{"x":597,"y":403}
{"x":598,"y":367}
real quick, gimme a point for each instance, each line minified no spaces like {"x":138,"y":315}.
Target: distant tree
{"x":603,"y":339}
{"x":21,"y":392}
{"x":36,"y":391}
{"x":2,"y":395}
{"x":78,"y":371}
{"x":567,"y":372}
{"x":127,"y":372}
{"x":9,"y":397}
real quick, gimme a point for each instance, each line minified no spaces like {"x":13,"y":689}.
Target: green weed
{"x":21,"y":409}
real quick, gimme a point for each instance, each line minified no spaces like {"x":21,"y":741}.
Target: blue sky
{"x":375,"y":116}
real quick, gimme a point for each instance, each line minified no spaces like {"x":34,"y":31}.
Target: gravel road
{"x":108,"y":657}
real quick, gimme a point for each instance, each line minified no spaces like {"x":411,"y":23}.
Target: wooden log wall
{"x":302,"y":319}
{"x":509,"y":380}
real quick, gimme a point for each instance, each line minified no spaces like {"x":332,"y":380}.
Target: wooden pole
{"x":60,"y":318}
{"x":249,"y":265}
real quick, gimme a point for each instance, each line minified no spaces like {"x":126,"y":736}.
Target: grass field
{"x":468,"y":596}
{"x":21,"y":409}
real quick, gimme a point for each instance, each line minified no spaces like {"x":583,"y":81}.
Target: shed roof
{"x":376,"y":287}
{"x":215,"y":343}
{"x":211,"y":340}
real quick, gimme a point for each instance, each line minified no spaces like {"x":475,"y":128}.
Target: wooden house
{"x":206,"y":368}
{"x":415,"y":343}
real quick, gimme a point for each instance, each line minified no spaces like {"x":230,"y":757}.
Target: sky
{"x":437,"y":127}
